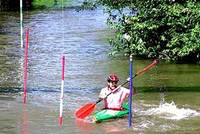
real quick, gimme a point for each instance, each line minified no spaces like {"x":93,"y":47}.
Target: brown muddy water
{"x":167,"y":99}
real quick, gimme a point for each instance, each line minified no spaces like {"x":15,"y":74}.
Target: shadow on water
{"x":168,"y":89}
{"x":9,"y":90}
{"x":47,"y":90}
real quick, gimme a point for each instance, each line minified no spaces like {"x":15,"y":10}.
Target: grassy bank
{"x":51,"y":3}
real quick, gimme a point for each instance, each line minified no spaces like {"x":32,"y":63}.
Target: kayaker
{"x":115,"y":100}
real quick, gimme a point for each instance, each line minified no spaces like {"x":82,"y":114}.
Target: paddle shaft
{"x":138,"y":73}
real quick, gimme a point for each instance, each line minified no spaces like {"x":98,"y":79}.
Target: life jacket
{"x":115,"y":100}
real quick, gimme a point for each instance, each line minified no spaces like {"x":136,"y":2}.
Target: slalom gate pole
{"x":131,"y":92}
{"x":26,"y":65}
{"x":21,"y":23}
{"x":62,"y":92}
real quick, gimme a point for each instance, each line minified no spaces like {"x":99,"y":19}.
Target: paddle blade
{"x":85,"y":110}
{"x":147,"y":67}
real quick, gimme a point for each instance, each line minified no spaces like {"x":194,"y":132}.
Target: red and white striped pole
{"x":26,"y":66}
{"x":62,"y":92}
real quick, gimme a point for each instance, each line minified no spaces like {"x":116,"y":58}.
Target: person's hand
{"x":128,"y":79}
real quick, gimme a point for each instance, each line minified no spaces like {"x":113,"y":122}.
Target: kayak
{"x":108,"y":114}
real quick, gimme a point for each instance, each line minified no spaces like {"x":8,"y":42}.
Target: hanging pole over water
{"x":21,"y":23}
{"x":131,"y":92}
{"x":26,"y":66}
{"x":62,"y":92}
{"x":63,"y":73}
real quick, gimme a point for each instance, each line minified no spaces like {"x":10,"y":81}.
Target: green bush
{"x":169,"y":29}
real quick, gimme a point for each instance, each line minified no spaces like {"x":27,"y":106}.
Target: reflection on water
{"x":85,"y":126}
{"x":81,"y":37}
{"x":10,"y":53}
{"x":25,"y":124}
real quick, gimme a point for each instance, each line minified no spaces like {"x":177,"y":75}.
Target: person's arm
{"x":128,"y":90}
{"x":101,"y":95}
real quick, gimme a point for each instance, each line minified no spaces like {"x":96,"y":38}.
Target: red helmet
{"x":113,"y":77}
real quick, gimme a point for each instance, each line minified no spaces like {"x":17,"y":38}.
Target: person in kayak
{"x":115,"y":100}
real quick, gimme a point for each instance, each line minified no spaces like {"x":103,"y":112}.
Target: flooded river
{"x":167,"y":97}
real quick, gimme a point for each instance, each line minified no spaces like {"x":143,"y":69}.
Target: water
{"x":170,"y":111}
{"x":167,"y":99}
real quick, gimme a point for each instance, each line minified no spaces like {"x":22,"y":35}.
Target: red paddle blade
{"x":85,"y":110}
{"x":147,"y":67}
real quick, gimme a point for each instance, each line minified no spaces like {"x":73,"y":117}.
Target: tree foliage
{"x":13,"y":5}
{"x":169,"y":29}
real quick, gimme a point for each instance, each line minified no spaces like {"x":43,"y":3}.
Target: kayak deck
{"x":108,"y":114}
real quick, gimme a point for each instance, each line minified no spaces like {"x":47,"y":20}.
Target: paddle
{"x":88,"y":108}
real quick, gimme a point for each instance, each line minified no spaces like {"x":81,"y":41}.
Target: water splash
{"x":145,"y":124}
{"x":171,"y":111}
